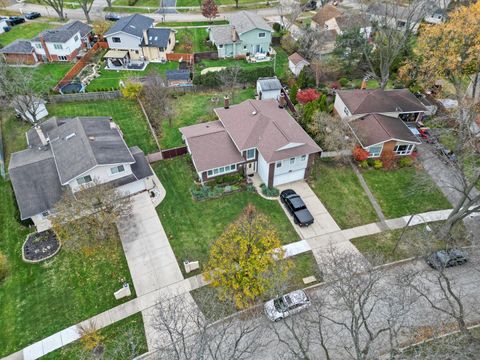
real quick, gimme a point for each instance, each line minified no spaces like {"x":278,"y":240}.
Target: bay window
{"x":403,"y":149}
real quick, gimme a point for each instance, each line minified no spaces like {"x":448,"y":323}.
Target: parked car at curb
{"x":15,"y":20}
{"x":32,"y":15}
{"x":446,"y":258}
{"x":112,"y":17}
{"x":296,"y":207}
{"x":286,"y":305}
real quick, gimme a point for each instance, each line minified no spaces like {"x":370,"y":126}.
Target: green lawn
{"x":192,"y":108}
{"x":13,"y":134}
{"x":46,"y":76}
{"x":38,"y":300}
{"x":281,"y":62}
{"x":23,"y":31}
{"x":404,"y":191}
{"x":126,"y":113}
{"x":198,"y":38}
{"x":340,"y":191}
{"x":191,"y":226}
{"x":191,"y":23}
{"x":117,"y":341}
{"x":218,"y":2}
{"x":139,"y":3}
{"x":412,"y":243}
{"x":207,"y":300}
{"x":109,"y":79}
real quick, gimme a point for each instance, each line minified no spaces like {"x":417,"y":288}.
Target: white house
{"x":255,"y":136}
{"x":67,"y":155}
{"x":296,"y":63}
{"x":268,"y":88}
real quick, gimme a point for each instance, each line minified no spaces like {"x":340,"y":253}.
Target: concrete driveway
{"x":150,"y":258}
{"x":323,"y":224}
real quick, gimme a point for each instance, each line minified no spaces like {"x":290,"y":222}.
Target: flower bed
{"x":40,"y":246}
{"x":205,"y":192}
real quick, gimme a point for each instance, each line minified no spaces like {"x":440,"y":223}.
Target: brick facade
{"x":26,"y":59}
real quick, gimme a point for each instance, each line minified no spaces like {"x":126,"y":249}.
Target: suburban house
{"x":60,"y":44}
{"x":246,"y":35}
{"x":324,"y":14}
{"x":67,"y":155}
{"x":395,"y":16}
{"x":296,"y":63}
{"x":178,"y":77}
{"x":269,"y":88}
{"x":331,"y":18}
{"x":253,"y":137}
{"x":381,"y":120}
{"x":134,"y":42}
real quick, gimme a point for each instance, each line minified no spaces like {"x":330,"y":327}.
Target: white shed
{"x":268,"y":88}
{"x":296,"y":63}
{"x":26,"y":107}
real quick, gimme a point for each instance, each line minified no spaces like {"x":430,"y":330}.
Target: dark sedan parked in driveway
{"x":112,"y":17}
{"x":32,"y":15}
{"x":15,"y":20}
{"x":296,"y":207}
{"x":447,"y":258}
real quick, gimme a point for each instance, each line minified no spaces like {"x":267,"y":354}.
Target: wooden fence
{"x":289,"y":102}
{"x":180,"y":56}
{"x":174,"y":152}
{"x":75,"y":70}
{"x":209,"y":55}
{"x":104,"y":95}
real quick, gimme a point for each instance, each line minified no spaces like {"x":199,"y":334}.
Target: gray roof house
{"x":132,"y":25}
{"x":253,"y":137}
{"x":64,"y":32}
{"x":246,"y":34}
{"x":68,"y":154}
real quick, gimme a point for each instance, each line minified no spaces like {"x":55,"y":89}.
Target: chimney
{"x":282,"y":101}
{"x":44,"y":45}
{"x":41,"y":135}
{"x":364,"y":85}
{"x":226,"y":102}
{"x":234,"y":34}
{"x":145,"y":37}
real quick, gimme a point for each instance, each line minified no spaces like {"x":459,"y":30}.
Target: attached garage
{"x":289,"y":177}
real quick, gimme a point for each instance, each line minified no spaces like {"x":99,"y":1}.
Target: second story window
{"x":75,"y":38}
{"x":38,"y":46}
{"x":250,"y":154}
{"x":58,"y":46}
{"x":261,"y":35}
{"x":116,"y":40}
{"x":117,"y":169}
{"x":84,"y":180}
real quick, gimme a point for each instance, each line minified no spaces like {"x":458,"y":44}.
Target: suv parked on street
{"x":446,"y":258}
{"x":15,"y":20}
{"x":296,"y":207}
{"x":286,"y":305}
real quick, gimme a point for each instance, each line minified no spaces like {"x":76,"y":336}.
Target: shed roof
{"x":296,"y":58}
{"x":269,"y":83}
{"x":19,"y":46}
{"x":183,"y":74}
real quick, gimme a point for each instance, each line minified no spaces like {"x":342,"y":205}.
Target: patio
{"x":120,"y":60}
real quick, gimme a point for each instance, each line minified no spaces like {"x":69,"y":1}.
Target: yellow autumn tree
{"x":450,"y":50}
{"x":242,"y":263}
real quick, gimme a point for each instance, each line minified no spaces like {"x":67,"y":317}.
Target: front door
{"x":251,"y":168}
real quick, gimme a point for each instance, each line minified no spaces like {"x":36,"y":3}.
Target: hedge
{"x":212,"y":79}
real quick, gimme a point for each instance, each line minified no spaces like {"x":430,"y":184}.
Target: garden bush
{"x":371,"y":161}
{"x":364,"y":164}
{"x":389,"y":160}
{"x":229,"y":178}
{"x":132,"y":2}
{"x":360,"y":154}
{"x":405,"y":161}
{"x":3,"y":267}
{"x":377,"y":164}
{"x":277,"y":27}
{"x":270,"y":192}
{"x":343,"y":82}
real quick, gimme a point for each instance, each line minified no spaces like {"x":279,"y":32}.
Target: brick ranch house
{"x":381,"y":120}
{"x":255,"y":136}
{"x":60,"y":44}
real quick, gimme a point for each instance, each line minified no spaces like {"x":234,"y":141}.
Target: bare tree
{"x":229,"y":79}
{"x":393,"y":26}
{"x":157,"y":100}
{"x":331,"y":132}
{"x":86,"y":6}
{"x":183,"y":332}
{"x":58,"y":6}
{"x":289,"y":12}
{"x":89,"y":216}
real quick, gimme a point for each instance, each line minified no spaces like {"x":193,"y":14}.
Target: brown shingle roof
{"x":326,"y":13}
{"x":210,"y":145}
{"x":351,"y":21}
{"x":262,"y":124}
{"x":380,"y":101}
{"x":376,"y":128}
{"x":296,"y":58}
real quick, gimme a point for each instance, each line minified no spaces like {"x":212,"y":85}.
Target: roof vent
{"x":91,"y":138}
{"x":69,"y":136}
{"x":254,"y":112}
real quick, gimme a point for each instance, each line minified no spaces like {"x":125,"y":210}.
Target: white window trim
{"x":118,"y":172}
{"x":221,"y":170}
{"x":408,"y":151}
{"x":279,"y":164}
{"x":83,"y":178}
{"x":220,"y":46}
{"x":262,"y":33}
{"x":294,"y":160}
{"x":375,"y":156}
{"x":246,"y":154}
{"x":303,"y":158}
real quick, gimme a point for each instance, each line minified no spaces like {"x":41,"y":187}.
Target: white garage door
{"x":288,"y":177}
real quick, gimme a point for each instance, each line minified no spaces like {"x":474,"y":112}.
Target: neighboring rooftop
{"x":376,"y":128}
{"x":19,"y":46}
{"x":269,"y":83}
{"x":391,"y":10}
{"x":221,"y":34}
{"x":380,"y":101}
{"x":245,"y":21}
{"x":65,"y":32}
{"x":326,"y":13}
{"x":132,"y":24}
{"x":296,"y":58}
{"x":349,"y":21}
{"x":262,"y":124}
{"x":157,"y":37}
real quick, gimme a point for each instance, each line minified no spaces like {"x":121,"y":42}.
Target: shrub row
{"x":213,"y":79}
{"x":404,"y":161}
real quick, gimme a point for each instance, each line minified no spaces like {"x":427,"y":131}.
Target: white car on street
{"x":286,"y":305}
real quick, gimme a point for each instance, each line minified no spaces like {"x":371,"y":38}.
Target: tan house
{"x":157,"y":43}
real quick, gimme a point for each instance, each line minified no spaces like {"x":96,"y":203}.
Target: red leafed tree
{"x":209,"y":9}
{"x":307,"y":95}
{"x":360,"y":154}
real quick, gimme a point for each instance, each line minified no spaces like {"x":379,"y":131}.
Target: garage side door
{"x":289,"y":177}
